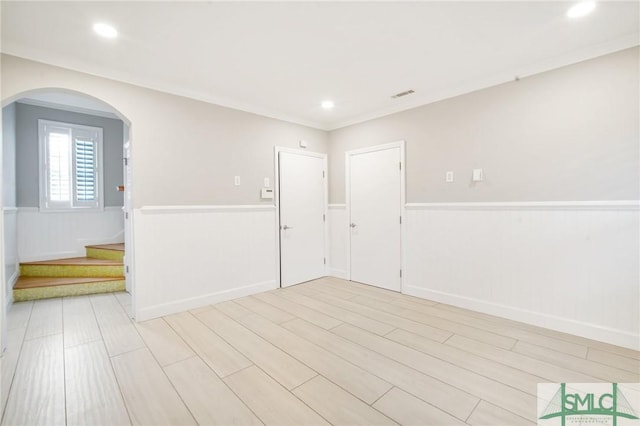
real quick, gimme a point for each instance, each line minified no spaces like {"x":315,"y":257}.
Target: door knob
{"x":353,"y":225}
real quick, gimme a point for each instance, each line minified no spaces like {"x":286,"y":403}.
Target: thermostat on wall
{"x":266,"y":193}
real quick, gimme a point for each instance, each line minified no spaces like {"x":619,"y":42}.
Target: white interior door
{"x":302,"y":193}
{"x":375,"y":197}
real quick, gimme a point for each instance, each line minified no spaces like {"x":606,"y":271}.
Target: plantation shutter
{"x":85,"y":170}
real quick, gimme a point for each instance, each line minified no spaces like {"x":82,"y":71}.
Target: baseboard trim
{"x":565,"y":325}
{"x":530,"y":205}
{"x":200,"y":301}
{"x":338,"y":273}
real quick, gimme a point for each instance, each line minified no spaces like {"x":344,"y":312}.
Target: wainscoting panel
{"x":572,"y":267}
{"x":10,"y":250}
{"x":338,"y":234}
{"x":191,"y":256}
{"x":52,"y":235}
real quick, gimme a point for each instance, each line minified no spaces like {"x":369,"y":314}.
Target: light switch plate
{"x":448,"y":177}
{"x":236,"y":180}
{"x":477,"y":175}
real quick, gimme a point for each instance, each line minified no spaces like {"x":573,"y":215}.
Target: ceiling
{"x":283,"y":59}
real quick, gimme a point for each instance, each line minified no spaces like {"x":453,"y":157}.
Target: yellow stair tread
{"x":76,"y":261}
{"x":35,"y":282}
{"x":116,"y":247}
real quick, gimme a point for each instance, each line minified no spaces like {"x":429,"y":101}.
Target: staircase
{"x":101,"y":271}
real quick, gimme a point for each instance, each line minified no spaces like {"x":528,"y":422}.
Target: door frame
{"x":403,"y":238}
{"x":127,"y":207}
{"x":276,"y":195}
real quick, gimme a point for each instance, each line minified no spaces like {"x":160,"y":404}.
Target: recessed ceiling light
{"x":327,"y":104}
{"x":105,"y":30}
{"x":581,"y":9}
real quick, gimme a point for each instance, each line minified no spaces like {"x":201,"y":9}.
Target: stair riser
{"x":23,"y":295}
{"x":94,"y":271}
{"x":96,"y":253}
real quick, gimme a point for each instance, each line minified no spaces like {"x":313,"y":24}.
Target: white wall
{"x":10,"y":243}
{"x":197,"y":255}
{"x":563,"y":135}
{"x":9,"y":121}
{"x":54,"y":235}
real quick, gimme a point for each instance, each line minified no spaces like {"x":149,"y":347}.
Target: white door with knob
{"x":302,"y":214}
{"x":375,"y":199}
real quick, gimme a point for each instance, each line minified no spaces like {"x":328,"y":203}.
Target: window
{"x":71,"y":166}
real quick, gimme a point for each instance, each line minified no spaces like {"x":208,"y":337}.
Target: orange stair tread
{"x":76,"y":261}
{"x":36,"y":282}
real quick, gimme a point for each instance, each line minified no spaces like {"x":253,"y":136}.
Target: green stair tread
{"x":37,"y":282}
{"x":105,"y":252}
{"x":114,"y":247}
{"x":73,"y":268}
{"x":75,"y":261}
{"x":68,"y":290}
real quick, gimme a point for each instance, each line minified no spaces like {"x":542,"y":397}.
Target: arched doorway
{"x":71,"y":103}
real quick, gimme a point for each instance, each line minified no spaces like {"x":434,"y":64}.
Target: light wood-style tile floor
{"x":324,"y":352}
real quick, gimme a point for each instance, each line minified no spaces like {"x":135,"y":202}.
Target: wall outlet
{"x":477,"y":175}
{"x":448,"y":177}
{"x":267,"y":184}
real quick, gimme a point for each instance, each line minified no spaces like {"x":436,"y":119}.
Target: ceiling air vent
{"x":401,"y":94}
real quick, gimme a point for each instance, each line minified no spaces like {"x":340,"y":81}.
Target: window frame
{"x":46,"y":204}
